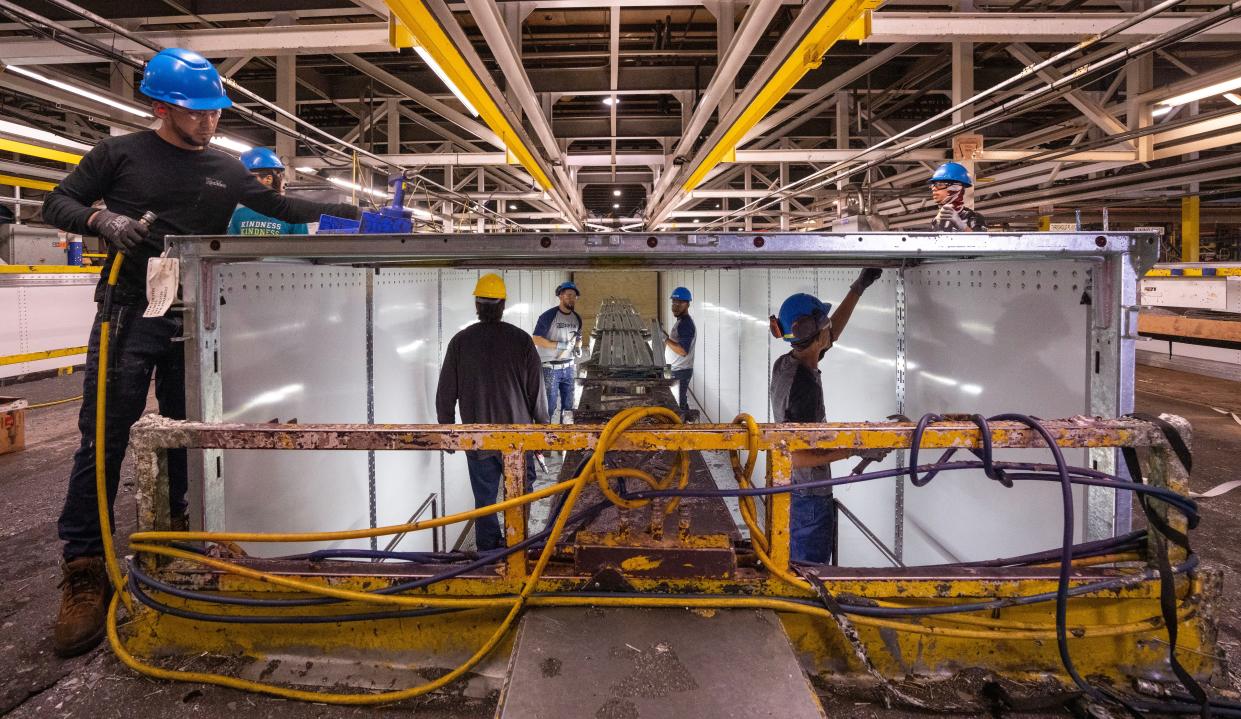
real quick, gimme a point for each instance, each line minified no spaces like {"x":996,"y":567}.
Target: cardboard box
{"x":12,"y":424}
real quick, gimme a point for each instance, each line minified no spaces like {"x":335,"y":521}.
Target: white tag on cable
{"x":163,"y":281}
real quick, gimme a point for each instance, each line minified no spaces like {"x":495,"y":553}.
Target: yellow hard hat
{"x":490,"y":287}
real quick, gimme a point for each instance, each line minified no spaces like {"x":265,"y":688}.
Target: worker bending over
{"x":948,"y":185}
{"x":810,"y":326}
{"x":492,"y":371}
{"x":558,"y":335}
{"x":267,"y":167}
{"x":192,"y":190}
{"x":680,"y":342}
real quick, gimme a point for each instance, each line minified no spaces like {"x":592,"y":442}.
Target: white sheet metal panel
{"x":992,"y":337}
{"x":1204,"y":293}
{"x":44,"y":316}
{"x":280,"y":361}
{"x":407,"y":362}
{"x":859,"y":383}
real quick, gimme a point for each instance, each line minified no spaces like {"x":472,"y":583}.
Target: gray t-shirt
{"x":685,"y":334}
{"x":797,"y":396}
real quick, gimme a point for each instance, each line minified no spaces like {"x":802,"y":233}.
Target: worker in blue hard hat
{"x":680,"y":344}
{"x":558,"y":335}
{"x":948,"y":184}
{"x":265,"y":165}
{"x":191,"y":189}
{"x":811,"y":328}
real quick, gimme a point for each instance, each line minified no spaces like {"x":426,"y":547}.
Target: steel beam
{"x":1006,"y":27}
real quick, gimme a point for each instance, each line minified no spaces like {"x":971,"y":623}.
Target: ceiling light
{"x":616,"y":193}
{"x":1218,"y":88}
{"x":615,"y":205}
{"x":443,"y":76}
{"x":512,"y":206}
{"x":717,"y":205}
{"x":1161,"y":111}
{"x":610,"y":100}
{"x":229,"y":143}
{"x":355,"y":186}
{"x":1233,"y":97}
{"x":695,"y":220}
{"x":78,"y":91}
{"x":307,"y":170}
{"x":421,"y":213}
{"x":12,"y":128}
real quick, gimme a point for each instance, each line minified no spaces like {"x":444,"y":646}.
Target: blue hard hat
{"x":683,"y":294}
{"x":802,"y":316}
{"x":261,"y":158}
{"x":184,"y":78}
{"x":567,"y":286}
{"x":951,"y":172}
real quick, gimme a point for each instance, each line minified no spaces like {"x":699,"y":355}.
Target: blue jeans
{"x":683,"y":376}
{"x":558,"y":381}
{"x":139,"y":347}
{"x":486,"y":476}
{"x":812,"y":527}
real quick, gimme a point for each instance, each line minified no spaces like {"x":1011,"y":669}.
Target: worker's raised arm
{"x":840,"y":318}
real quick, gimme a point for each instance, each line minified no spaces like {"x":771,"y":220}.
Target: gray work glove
{"x":865,"y":279}
{"x":948,"y":214}
{"x":874,"y":455}
{"x":126,"y":233}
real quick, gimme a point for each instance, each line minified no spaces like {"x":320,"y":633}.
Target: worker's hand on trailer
{"x":125,"y":233}
{"x":866,"y":278}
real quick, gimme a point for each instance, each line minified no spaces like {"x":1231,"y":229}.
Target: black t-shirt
{"x":190,"y":192}
{"x":493,"y":375}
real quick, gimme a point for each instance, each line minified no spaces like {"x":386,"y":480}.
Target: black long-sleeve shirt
{"x":492,"y":370}
{"x":191,"y":193}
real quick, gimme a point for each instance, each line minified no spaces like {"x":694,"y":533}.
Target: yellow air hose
{"x":595,"y":470}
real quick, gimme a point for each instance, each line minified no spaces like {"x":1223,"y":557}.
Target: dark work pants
{"x":138,"y":348}
{"x":683,"y":376}
{"x":812,"y":526}
{"x":486,"y":476}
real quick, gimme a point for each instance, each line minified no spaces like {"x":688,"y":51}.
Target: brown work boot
{"x":85,"y":592}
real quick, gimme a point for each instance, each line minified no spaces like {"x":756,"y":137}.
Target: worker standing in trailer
{"x":493,"y":375}
{"x":811,"y":328}
{"x":948,"y":185}
{"x":680,"y":343}
{"x":192,"y":190}
{"x":558,"y":335}
{"x":265,"y":165}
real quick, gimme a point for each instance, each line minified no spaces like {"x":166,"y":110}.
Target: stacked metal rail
{"x":621,"y":343}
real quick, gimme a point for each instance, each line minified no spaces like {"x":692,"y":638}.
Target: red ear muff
{"x":774,"y":325}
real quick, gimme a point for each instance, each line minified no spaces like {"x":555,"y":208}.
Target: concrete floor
{"x":34,"y":683}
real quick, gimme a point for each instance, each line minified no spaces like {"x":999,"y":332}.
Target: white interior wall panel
{"x":45,"y":315}
{"x":267,"y":373}
{"x":859,"y":384}
{"x":271,"y":372}
{"x":993,"y":337}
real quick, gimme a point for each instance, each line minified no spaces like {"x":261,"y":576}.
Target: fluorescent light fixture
{"x":1233,"y":97}
{"x":307,"y":170}
{"x":443,"y":76}
{"x":1161,"y":111}
{"x":78,"y":91}
{"x":1218,"y":88}
{"x":609,"y":101}
{"x":229,"y":143}
{"x":12,"y":128}
{"x":696,"y":220}
{"x":421,"y":213}
{"x":512,"y":206}
{"x":355,"y":186}
{"x":616,"y":193}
